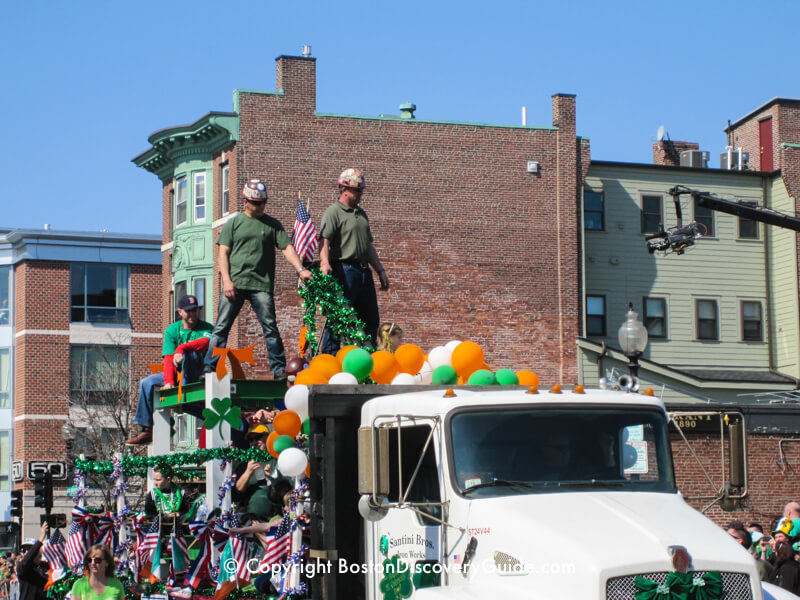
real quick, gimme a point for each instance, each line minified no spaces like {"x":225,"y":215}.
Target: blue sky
{"x":85,"y":83}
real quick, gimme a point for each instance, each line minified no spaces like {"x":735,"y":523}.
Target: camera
{"x":54,"y":521}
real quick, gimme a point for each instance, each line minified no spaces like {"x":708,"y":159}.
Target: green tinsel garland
{"x":323,"y":291}
{"x":137,"y":465}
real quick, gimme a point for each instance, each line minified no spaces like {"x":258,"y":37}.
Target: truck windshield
{"x":538,"y":449}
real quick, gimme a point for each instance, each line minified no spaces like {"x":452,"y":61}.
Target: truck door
{"x":409,"y":537}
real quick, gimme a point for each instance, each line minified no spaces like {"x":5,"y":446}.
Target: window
{"x":748,"y":228}
{"x":655,"y":317}
{"x":180,"y":201}
{"x":593,"y":211}
{"x":751,"y":322}
{"x":98,"y":374}
{"x":199,"y":196}
{"x":5,"y":461}
{"x":704,"y":216}
{"x":225,"y":189}
{"x":596,"y":315}
{"x":651,"y":214}
{"x":425,"y":486}
{"x":172,"y":209}
{"x":5,"y":298}
{"x":99,"y":292}
{"x":5,"y":378}
{"x":200,"y":292}
{"x":706,"y":319}
{"x":180,"y":292}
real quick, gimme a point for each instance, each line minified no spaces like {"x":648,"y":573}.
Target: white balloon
{"x":452,"y":345}
{"x":439,"y":356}
{"x":292,"y":462}
{"x":404,"y":379}
{"x":296,"y":399}
{"x":343,"y":378}
{"x":425,"y":375}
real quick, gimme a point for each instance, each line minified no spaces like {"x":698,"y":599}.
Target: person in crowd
{"x":31,"y":571}
{"x":98,"y":581}
{"x":185,"y":345}
{"x":165,"y":499}
{"x":787,"y":569}
{"x":792,"y":512}
{"x":348,"y":251}
{"x":744,"y":538}
{"x":390,"y":337}
{"x":255,"y":492}
{"x":246,"y":262}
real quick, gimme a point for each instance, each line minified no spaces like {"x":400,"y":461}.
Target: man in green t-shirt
{"x":185,"y":345}
{"x":247,"y":266}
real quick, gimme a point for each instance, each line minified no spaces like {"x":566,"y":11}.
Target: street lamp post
{"x":632,"y":339}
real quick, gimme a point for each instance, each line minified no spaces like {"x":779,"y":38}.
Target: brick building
{"x":80,"y":313}
{"x":477,"y":242}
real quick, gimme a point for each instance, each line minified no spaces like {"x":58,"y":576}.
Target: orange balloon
{"x":467,"y":358}
{"x":308,"y":470}
{"x":286,"y":422}
{"x":271,"y":440}
{"x":410,"y":358}
{"x":309,"y":377}
{"x":527,"y":378}
{"x":384,"y":366}
{"x":326,"y":365}
{"x":342,"y":353}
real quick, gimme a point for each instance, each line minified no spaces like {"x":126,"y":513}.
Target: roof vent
{"x":306,"y":51}
{"x":407,"y":110}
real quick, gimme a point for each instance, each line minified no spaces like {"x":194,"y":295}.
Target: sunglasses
{"x":97,"y":560}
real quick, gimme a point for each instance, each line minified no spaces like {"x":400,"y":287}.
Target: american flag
{"x":76,"y":541}
{"x":280,"y":542}
{"x":240,"y":546}
{"x":180,"y":551}
{"x":149,"y":542}
{"x":304,"y":235}
{"x":53,"y":550}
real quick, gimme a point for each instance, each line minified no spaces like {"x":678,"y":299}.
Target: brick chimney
{"x":296,"y":77}
{"x":667,"y":152}
{"x":564,"y":113}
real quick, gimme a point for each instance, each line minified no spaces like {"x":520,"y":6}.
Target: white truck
{"x":491,"y":493}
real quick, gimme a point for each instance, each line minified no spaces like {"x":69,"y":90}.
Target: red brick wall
{"x":668,"y":152}
{"x":746,"y":136}
{"x":475,"y":247}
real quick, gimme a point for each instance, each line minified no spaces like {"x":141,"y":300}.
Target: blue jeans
{"x":359,"y":289}
{"x":192,"y":370}
{"x":264,"y":306}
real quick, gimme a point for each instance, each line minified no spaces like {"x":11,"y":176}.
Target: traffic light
{"x":16,"y":503}
{"x":43,"y":490}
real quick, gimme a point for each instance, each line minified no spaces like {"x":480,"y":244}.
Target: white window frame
{"x":225,"y":189}
{"x":181,"y":185}
{"x":199,"y":182}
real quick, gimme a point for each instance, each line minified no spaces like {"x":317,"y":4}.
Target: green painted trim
{"x":788,"y":145}
{"x":250,"y":393}
{"x":399,"y":119}
{"x":236,"y":93}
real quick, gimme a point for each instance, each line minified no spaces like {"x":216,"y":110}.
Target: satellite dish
{"x":661,"y":133}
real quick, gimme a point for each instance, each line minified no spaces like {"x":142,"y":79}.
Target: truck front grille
{"x":735,"y":586}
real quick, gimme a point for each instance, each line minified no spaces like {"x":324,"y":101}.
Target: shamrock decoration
{"x":680,"y":586}
{"x":221,"y":411}
{"x":396,"y":582}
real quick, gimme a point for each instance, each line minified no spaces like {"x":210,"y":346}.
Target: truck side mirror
{"x":736,"y":449}
{"x":373,"y":461}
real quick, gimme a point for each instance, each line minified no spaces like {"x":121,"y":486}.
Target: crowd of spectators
{"x":8,"y":573}
{"x":777,"y":552}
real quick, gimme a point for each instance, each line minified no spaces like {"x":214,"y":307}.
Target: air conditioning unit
{"x":734,"y":163}
{"x":696,"y":159}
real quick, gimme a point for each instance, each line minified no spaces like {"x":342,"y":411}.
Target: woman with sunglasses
{"x":98,"y":581}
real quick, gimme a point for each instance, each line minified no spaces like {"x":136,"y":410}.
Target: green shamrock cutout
{"x":221,"y":411}
{"x":396,"y":582}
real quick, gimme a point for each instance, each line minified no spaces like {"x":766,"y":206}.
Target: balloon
{"x":343,"y":379}
{"x":482,"y":377}
{"x":296,"y":399}
{"x":425,"y":373}
{"x":503,"y":376}
{"x":326,"y":365}
{"x":343,"y":352}
{"x":467,"y":358}
{"x":527,"y":378}
{"x":287,"y":422}
{"x":306,"y":428}
{"x":410,"y":358}
{"x":308,"y":470}
{"x":270,"y":443}
{"x":439,"y":356}
{"x":384,"y":366}
{"x":358,"y":362}
{"x":452,"y":345}
{"x":404,"y":379}
{"x":309,"y":377}
{"x":292,"y":462}
{"x":295,"y":365}
{"x":444,"y":375}
{"x":282,"y":442}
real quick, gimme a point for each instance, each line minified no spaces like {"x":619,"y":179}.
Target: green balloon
{"x":444,"y":375}
{"x":482,"y":377}
{"x":506,"y":377}
{"x":306,"y":426}
{"x":282,"y":442}
{"x":358,"y":362}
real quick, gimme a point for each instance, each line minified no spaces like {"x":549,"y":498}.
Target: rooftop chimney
{"x":668,"y":152}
